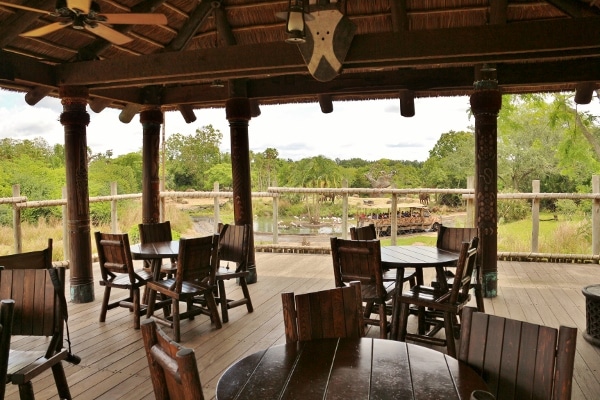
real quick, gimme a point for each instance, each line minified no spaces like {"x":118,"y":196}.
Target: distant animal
{"x":424,"y":198}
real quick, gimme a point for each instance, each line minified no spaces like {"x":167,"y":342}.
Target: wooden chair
{"x":233,"y":247}
{"x":360,"y":260}
{"x":40,"y":310}
{"x":446,"y":304}
{"x":158,"y":232}
{"x":116,"y":268}
{"x":332,"y":313}
{"x":451,"y":239}
{"x":31,"y":259}
{"x":173,"y":368}
{"x":6,"y":320}
{"x":518,"y":360}
{"x":368,"y":232}
{"x":197,"y":265}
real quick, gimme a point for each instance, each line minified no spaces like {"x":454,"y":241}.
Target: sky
{"x":370,"y":130}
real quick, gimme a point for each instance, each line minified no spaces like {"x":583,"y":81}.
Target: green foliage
{"x":451,"y":161}
{"x":190,"y":156}
{"x":219,"y":173}
{"x":512,"y":210}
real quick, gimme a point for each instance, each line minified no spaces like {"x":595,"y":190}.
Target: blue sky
{"x":368,"y":129}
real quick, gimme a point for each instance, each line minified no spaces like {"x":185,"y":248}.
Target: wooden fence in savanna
{"x":20,"y":202}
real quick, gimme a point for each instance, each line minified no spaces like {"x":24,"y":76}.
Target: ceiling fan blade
{"x":44,"y":30}
{"x":11,"y":5}
{"x":109,"y":34}
{"x":81,"y":5}
{"x":135,"y":19}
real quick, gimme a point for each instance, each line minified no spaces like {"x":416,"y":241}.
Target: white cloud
{"x":368,"y":129}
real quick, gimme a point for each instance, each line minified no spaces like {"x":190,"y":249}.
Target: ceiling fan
{"x":85,"y":14}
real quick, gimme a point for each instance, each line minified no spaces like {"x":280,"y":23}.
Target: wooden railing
{"x":21,"y":202}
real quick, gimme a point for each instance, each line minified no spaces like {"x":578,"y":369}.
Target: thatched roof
{"x":416,"y":47}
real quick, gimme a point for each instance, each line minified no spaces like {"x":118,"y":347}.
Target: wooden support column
{"x":238,"y":112}
{"x":75,"y":118}
{"x":486,"y":102}
{"x":151,"y":118}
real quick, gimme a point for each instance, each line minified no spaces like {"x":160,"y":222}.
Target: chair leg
{"x":403,"y":323}
{"x":246,"y":293}
{"x":368,"y":309}
{"x":104,"y":307}
{"x":176,"y":330}
{"x":212,"y":306}
{"x":223,"y":300}
{"x":383,"y":324}
{"x":479,"y":297}
{"x":136,"y":307}
{"x":61,"y":381}
{"x":449,"y":330}
{"x":26,"y":391}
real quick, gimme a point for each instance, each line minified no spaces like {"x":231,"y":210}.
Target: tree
{"x":188,"y":158}
{"x":526,"y":141}
{"x":219,"y":173}
{"x":451,"y":161}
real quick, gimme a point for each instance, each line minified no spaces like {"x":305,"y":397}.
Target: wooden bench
{"x":39,"y":259}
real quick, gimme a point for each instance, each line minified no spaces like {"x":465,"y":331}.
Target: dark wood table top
{"x":416,"y":257}
{"x":355,"y":369}
{"x":155,"y":250}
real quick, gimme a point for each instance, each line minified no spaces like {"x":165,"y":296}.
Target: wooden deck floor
{"x":114,"y":364}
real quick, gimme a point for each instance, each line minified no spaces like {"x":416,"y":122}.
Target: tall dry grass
{"x":129,"y":215}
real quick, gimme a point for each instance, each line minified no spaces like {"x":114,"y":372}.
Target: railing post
{"x":275,"y":215}
{"x":65,"y":223}
{"x":596,"y":216}
{"x":114,"y":218}
{"x":394,"y":218}
{"x":16,"y":192}
{"x":344,"y":210}
{"x":470,"y":219}
{"x":217,"y":210}
{"x":535,"y":217}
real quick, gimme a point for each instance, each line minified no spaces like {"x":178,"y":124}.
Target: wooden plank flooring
{"x":114,"y":364}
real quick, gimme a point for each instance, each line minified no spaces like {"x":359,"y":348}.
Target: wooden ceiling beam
{"x":528,"y":41}
{"x":191,"y":26}
{"x":562,"y":75}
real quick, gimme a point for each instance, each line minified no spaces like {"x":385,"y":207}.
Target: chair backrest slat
{"x":29,"y":260}
{"x":451,"y":238}
{"x":464,"y":270}
{"x":198,"y":260}
{"x":518,"y":359}
{"x":366,"y":232}
{"x":173,"y":368}
{"x":332,"y":313}
{"x":37,"y":309}
{"x":114,"y":255}
{"x":357,"y":260}
{"x":234,"y":246}
{"x":155,"y":232}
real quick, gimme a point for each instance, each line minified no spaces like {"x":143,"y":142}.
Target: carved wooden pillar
{"x":151,"y":118}
{"x":238,"y":114}
{"x":74,"y":118}
{"x":486,"y":102}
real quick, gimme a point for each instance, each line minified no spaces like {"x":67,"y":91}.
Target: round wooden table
{"x":356,"y":369}
{"x":418,"y":257}
{"x":155,"y":252}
